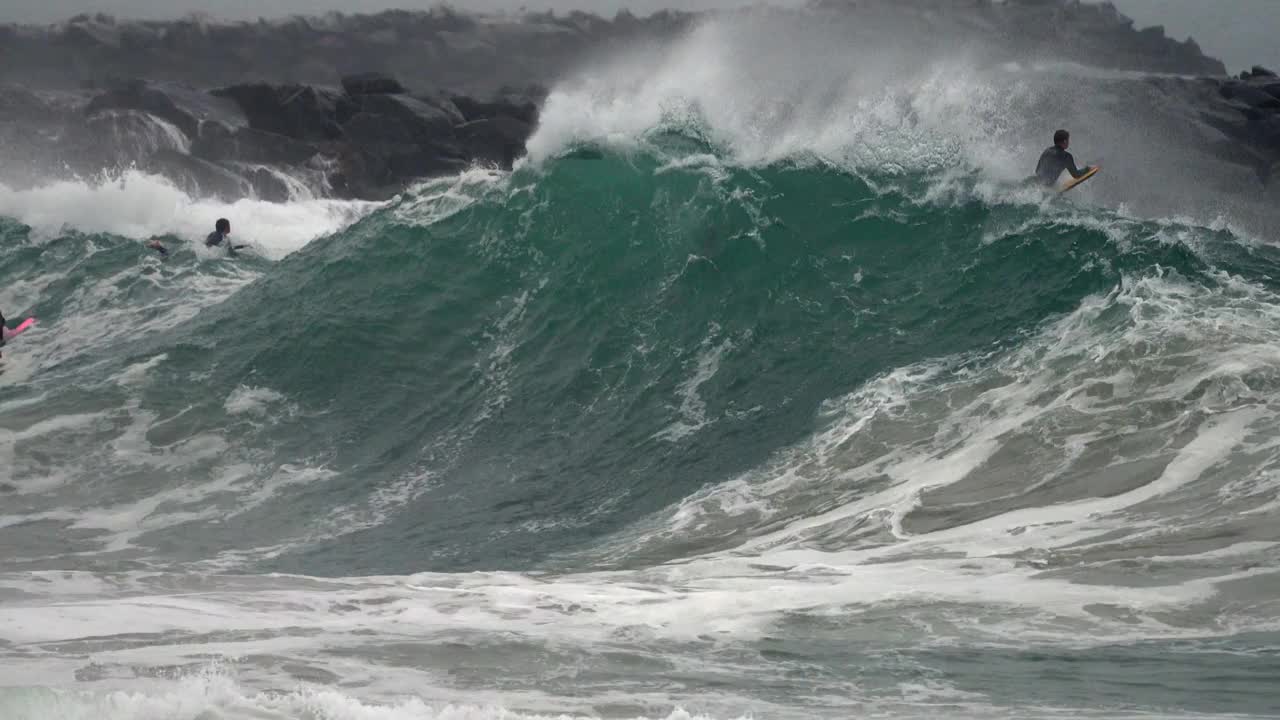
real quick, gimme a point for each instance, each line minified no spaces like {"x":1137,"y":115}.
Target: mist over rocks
{"x":361,"y":106}
{"x":1253,"y":118}
{"x":479,"y":54}
{"x":442,"y":48}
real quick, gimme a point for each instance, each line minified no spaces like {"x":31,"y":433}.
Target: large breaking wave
{"x":760,"y":387}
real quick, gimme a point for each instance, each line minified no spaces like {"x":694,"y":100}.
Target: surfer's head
{"x":223,"y":226}
{"x":1062,"y":139}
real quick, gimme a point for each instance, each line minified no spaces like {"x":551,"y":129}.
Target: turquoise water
{"x":613,"y":437}
{"x":695,"y":420}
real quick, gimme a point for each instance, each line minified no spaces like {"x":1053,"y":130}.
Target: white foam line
{"x":1054,"y":525}
{"x":721,"y":600}
{"x":693,"y":409}
{"x":215,"y":694}
{"x":142,"y":207}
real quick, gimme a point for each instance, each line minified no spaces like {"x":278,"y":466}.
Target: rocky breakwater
{"x":1250,"y":119}
{"x":372,"y":137}
{"x":477,"y":54}
{"x":1235,"y":119}
{"x":367,"y":139}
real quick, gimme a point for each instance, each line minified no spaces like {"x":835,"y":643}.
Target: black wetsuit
{"x":1052,"y":162}
{"x":216,"y":238}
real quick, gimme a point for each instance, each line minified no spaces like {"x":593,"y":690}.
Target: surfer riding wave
{"x":1055,"y":159}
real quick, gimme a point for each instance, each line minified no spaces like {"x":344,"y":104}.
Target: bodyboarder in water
{"x":6,"y":334}
{"x":1055,"y":159}
{"x":221,"y":230}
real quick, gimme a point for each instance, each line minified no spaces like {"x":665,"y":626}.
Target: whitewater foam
{"x":133,"y":134}
{"x":212,"y":692}
{"x":251,"y":400}
{"x":432,"y":201}
{"x":693,"y":408}
{"x":141,"y":207}
{"x":870,"y":97}
{"x":733,"y":81}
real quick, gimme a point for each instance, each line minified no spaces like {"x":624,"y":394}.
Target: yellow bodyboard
{"x":1076,"y":181}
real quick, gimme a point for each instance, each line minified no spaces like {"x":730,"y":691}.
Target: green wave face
{"x":656,"y":412}
{"x":499,"y":373}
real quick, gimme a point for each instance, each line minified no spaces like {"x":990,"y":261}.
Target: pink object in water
{"x":22,"y":327}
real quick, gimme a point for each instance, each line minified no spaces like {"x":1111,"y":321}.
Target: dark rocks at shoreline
{"x":300,"y":112}
{"x":476,"y":55}
{"x":236,"y":141}
{"x":184,"y":107}
{"x":441,"y":48}
{"x":522,"y":107}
{"x":1253,"y":118}
{"x":198,"y":178}
{"x":247,"y":145}
{"x":393,"y":139}
{"x":371,"y":83}
{"x":496,"y":141}
{"x":1258,"y":73}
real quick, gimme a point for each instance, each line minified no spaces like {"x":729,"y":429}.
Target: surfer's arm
{"x":1071,"y":166}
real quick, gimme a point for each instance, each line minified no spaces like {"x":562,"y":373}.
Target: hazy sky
{"x":1239,"y":32}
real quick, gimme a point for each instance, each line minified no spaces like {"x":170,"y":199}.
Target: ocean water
{"x":770,"y":399}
